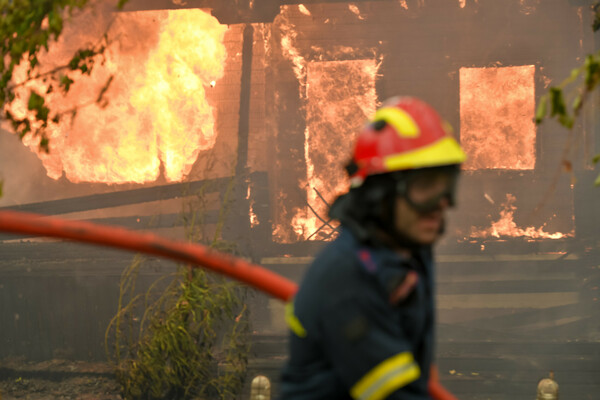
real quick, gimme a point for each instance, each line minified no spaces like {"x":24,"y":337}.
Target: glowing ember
{"x":355,"y":10}
{"x":288,"y":43}
{"x":506,"y":226}
{"x":340,"y":97}
{"x":253,"y":217}
{"x":302,"y":8}
{"x":157,"y":115}
{"x":496,"y":117}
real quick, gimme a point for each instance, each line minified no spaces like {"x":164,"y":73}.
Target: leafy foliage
{"x":27,"y":28}
{"x":566,"y":106}
{"x":192,"y":340}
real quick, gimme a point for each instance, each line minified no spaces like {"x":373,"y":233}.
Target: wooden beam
{"x":121,"y":198}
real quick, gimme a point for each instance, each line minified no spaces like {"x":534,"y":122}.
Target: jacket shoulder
{"x":338,"y":260}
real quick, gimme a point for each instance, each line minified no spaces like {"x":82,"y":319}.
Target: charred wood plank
{"x":121,"y":198}
{"x":125,"y":197}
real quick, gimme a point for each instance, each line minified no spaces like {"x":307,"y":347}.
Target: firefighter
{"x":362,"y":322}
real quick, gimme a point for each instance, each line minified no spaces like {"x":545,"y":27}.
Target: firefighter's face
{"x":423,"y":227}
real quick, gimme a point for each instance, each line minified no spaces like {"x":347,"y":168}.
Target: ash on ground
{"x":57,"y":379}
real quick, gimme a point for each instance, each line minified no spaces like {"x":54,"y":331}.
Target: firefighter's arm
{"x":369,"y":353}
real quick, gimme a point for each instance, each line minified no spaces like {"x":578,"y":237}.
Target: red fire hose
{"x":195,"y":254}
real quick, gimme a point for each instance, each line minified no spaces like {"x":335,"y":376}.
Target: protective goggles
{"x":425,"y":188}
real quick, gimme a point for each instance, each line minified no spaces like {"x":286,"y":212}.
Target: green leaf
{"x":35,"y":101}
{"x":566,"y":120}
{"x":596,"y":23}
{"x":596,"y":158}
{"x":44,"y":144}
{"x":557,"y":102}
{"x":55,"y":23}
{"x":542,"y":110}
{"x":592,"y":68}
{"x":42,"y":114}
{"x":577,"y":103}
{"x":597,"y":181}
{"x":66,"y":82}
{"x":74,"y":63}
{"x":574,"y":74}
{"x":33,"y":62}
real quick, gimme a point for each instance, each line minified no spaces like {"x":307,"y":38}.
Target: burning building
{"x":260,"y":101}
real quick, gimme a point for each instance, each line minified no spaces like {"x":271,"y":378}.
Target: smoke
{"x":20,"y":170}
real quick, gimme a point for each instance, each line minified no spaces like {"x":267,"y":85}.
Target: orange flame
{"x":356,"y":11}
{"x":157,"y":115}
{"x":302,"y":8}
{"x":506,"y":226}
{"x":496,"y":117}
{"x":253,"y":217}
{"x":340,"y":97}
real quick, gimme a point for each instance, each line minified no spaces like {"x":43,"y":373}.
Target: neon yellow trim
{"x":387,"y":377}
{"x":399,"y":119}
{"x":445,"y":151}
{"x":293,"y":321}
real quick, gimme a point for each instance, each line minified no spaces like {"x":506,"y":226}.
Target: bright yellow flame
{"x":157,"y":111}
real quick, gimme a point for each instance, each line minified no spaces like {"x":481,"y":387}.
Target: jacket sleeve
{"x":368,"y":351}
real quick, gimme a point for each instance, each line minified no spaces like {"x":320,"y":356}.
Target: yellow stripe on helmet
{"x":293,"y":321}
{"x":445,"y":151}
{"x":399,"y":119}
{"x":387,"y":377}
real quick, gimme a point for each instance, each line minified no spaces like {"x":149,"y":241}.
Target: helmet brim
{"x":445,"y":151}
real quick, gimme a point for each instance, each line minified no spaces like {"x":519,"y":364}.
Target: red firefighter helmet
{"x":405,"y":133}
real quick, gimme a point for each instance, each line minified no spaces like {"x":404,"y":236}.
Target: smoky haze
{"x":517,"y":274}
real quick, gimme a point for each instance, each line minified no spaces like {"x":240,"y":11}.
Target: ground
{"x":56,"y":379}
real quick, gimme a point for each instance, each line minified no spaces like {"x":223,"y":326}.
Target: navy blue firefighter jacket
{"x":361,"y":325}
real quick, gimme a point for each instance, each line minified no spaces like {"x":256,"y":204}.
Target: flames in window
{"x":340,"y":98}
{"x":158,"y":117}
{"x":496,"y":117}
{"x":337,"y":90}
{"x":497,"y":107}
